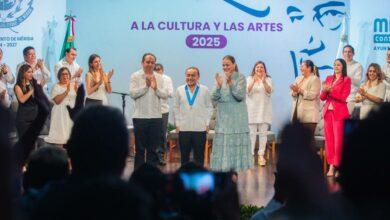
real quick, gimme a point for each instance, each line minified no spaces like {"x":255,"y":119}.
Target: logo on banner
{"x":381,"y":31}
{"x":14,"y":12}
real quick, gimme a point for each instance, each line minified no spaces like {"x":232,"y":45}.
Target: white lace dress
{"x":60,"y":123}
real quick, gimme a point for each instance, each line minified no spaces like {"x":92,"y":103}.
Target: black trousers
{"x":92,"y":102}
{"x":163,"y":145}
{"x":189,"y":140}
{"x":147,"y":133}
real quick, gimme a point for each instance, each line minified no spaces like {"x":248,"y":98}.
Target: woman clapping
{"x":63,"y":94}
{"x":97,"y":82}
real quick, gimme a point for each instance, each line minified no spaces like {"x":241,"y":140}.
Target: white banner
{"x":37,"y":23}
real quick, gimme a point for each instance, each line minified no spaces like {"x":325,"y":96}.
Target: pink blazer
{"x":337,"y":96}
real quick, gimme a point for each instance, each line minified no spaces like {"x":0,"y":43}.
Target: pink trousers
{"x":333,"y":130}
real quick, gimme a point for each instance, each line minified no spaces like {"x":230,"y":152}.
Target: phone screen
{"x":200,"y":182}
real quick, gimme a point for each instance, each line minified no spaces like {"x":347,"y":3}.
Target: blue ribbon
{"x":191,"y":100}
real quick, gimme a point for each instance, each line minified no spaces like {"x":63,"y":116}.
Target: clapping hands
{"x":110,"y":74}
{"x":78,"y":73}
{"x":326,"y":87}
{"x":151,"y":81}
{"x":294,"y":88}
{"x":40,"y":64}
{"x":229,"y":78}
{"x":362,"y":91}
{"x":358,"y":98}
{"x":68,"y":87}
{"x":258,"y":78}
{"x":3,"y":69}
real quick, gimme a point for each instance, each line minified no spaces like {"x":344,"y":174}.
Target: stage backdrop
{"x":200,"y":32}
{"x":370,"y":30}
{"x":37,"y":23}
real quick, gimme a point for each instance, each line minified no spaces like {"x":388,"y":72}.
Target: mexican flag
{"x":69,"y":35}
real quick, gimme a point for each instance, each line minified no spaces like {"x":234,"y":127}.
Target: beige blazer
{"x":308,"y":110}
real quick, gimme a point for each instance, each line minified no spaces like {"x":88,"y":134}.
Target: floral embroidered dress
{"x":231,"y":144}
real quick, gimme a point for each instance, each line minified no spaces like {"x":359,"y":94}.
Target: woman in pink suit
{"x":336,"y":89}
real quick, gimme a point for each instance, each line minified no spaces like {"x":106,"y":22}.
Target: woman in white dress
{"x":259,"y":89}
{"x":63,"y":94}
{"x":97,"y":82}
{"x":372,"y":92}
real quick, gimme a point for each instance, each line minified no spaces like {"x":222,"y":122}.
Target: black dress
{"x":26,"y":113}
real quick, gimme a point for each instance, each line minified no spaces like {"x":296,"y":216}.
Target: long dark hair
{"x":232,"y":59}
{"x":254,"y":67}
{"x":344,"y":70}
{"x":310,"y":64}
{"x":316,"y":71}
{"x":22,"y":70}
{"x":90,"y":61}
{"x":313,"y":67}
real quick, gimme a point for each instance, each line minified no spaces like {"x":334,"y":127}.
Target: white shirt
{"x":259,"y":102}
{"x":147,"y":101}
{"x":378,"y":91}
{"x":9,"y":77}
{"x":5,"y":102}
{"x":169,"y":89}
{"x":355,"y":72}
{"x":100,"y":93}
{"x":38,"y":74}
{"x":386,"y":73}
{"x":194,"y":118}
{"x":73,"y":68}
